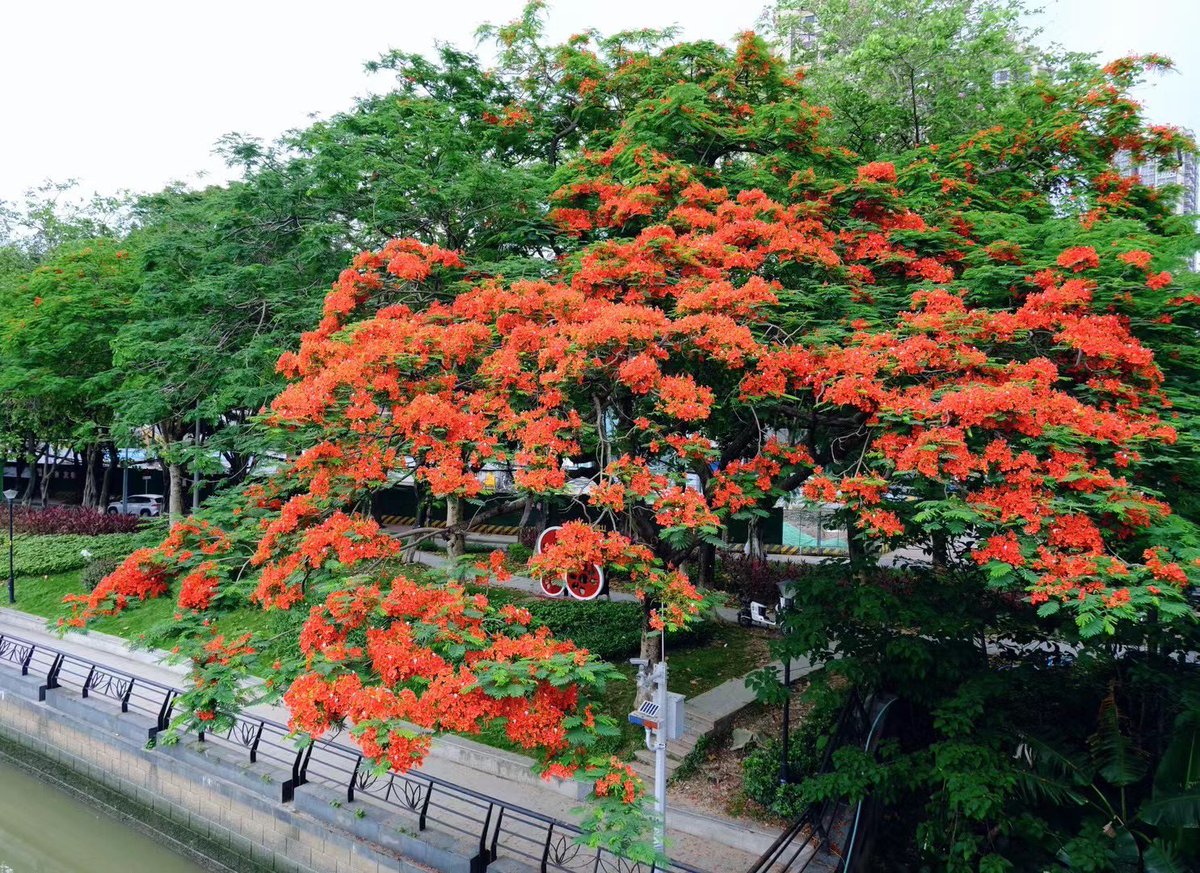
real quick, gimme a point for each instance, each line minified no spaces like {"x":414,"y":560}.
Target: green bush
{"x":519,"y":554}
{"x":611,"y":630}
{"x":760,"y":780}
{"x":60,"y":553}
{"x":806,"y":752}
{"x":95,"y":570}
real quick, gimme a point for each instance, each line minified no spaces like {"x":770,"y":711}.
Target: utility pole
{"x":659,"y":676}
{"x":662,"y":715}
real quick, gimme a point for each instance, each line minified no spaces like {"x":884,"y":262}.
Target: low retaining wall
{"x":226,"y":809}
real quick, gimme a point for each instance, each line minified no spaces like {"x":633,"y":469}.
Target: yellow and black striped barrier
{"x":410,"y":521}
{"x":775,"y":549}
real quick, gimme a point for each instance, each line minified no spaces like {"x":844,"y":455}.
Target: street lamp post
{"x":785,"y":770}
{"x":785,"y":765}
{"x":11,"y":495}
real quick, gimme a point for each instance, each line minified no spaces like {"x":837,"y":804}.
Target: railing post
{"x":480,"y":862}
{"x":88,"y":681}
{"x":300,"y":764}
{"x":546,"y":847}
{"x":28,"y":660}
{"x":353,"y":777}
{"x":125,"y":696}
{"x":425,"y":807}
{"x":164,"y":713}
{"x":257,"y":740}
{"x":496,"y":835}
{"x":304,"y":766}
{"x":51,"y":677}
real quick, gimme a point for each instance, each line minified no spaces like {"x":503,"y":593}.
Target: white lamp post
{"x":10,"y":495}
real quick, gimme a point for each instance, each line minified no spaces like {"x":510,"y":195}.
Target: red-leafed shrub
{"x":72,"y":520}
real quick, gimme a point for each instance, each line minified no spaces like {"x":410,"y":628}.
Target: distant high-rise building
{"x":1155,"y":175}
{"x":1185,"y":176}
{"x":796,"y":32}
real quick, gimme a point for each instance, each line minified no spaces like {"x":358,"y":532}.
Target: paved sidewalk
{"x":700,"y":840}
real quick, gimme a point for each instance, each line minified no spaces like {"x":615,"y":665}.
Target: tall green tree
{"x":901,"y":73}
{"x":56,"y":362}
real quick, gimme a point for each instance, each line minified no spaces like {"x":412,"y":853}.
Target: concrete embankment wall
{"x":205,"y":798}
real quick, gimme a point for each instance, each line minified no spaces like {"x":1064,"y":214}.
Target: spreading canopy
{"x":766,"y":314}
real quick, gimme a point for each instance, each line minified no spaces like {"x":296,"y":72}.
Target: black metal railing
{"x":823,"y":837}
{"x":493,"y":828}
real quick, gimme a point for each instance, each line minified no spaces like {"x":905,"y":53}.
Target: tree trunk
{"x":754,"y":547}
{"x":939,"y":551}
{"x":532,"y":522}
{"x":79,"y":462}
{"x":91,"y":486}
{"x":707,"y":575}
{"x":422,"y":511}
{"x":47,"y":477}
{"x":239,"y":467}
{"x":175,"y":499}
{"x":106,"y":482}
{"x":651,"y":640}
{"x":456,"y":540}
{"x":32,"y":464}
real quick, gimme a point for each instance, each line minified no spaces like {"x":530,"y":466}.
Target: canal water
{"x":46,"y":830}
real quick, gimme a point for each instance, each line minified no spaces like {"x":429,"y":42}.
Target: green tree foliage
{"x":902,"y":73}
{"x":56,"y":362}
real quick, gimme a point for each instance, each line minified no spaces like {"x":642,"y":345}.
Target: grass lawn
{"x":720,"y":653}
{"x":42,"y":595}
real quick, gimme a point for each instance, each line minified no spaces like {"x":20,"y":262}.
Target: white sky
{"x":131,"y":94}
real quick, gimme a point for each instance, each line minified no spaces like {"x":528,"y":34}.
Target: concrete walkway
{"x":703,"y":841}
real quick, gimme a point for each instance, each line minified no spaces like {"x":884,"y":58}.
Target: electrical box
{"x":676,"y":722}
{"x":673,"y":720}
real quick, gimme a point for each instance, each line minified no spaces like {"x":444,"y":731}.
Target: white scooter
{"x":755,"y":614}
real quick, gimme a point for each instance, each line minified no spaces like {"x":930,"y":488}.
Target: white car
{"x":145,"y":505}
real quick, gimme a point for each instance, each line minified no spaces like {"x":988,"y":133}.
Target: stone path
{"x":703,"y":841}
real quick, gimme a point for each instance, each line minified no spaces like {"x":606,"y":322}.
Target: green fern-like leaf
{"x":1119,"y":761}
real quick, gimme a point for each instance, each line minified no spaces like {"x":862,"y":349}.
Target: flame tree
{"x":730,"y":297}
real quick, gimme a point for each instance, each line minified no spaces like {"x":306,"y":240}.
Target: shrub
{"x":611,"y":630}
{"x":95,"y":570}
{"x":806,"y":753}
{"x":72,"y":520}
{"x":50,"y":555}
{"x":519,"y":554}
{"x":760,"y":779}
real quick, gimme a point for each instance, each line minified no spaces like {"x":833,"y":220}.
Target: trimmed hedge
{"x":611,"y":630}
{"x":50,"y":555}
{"x":520,"y":554}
